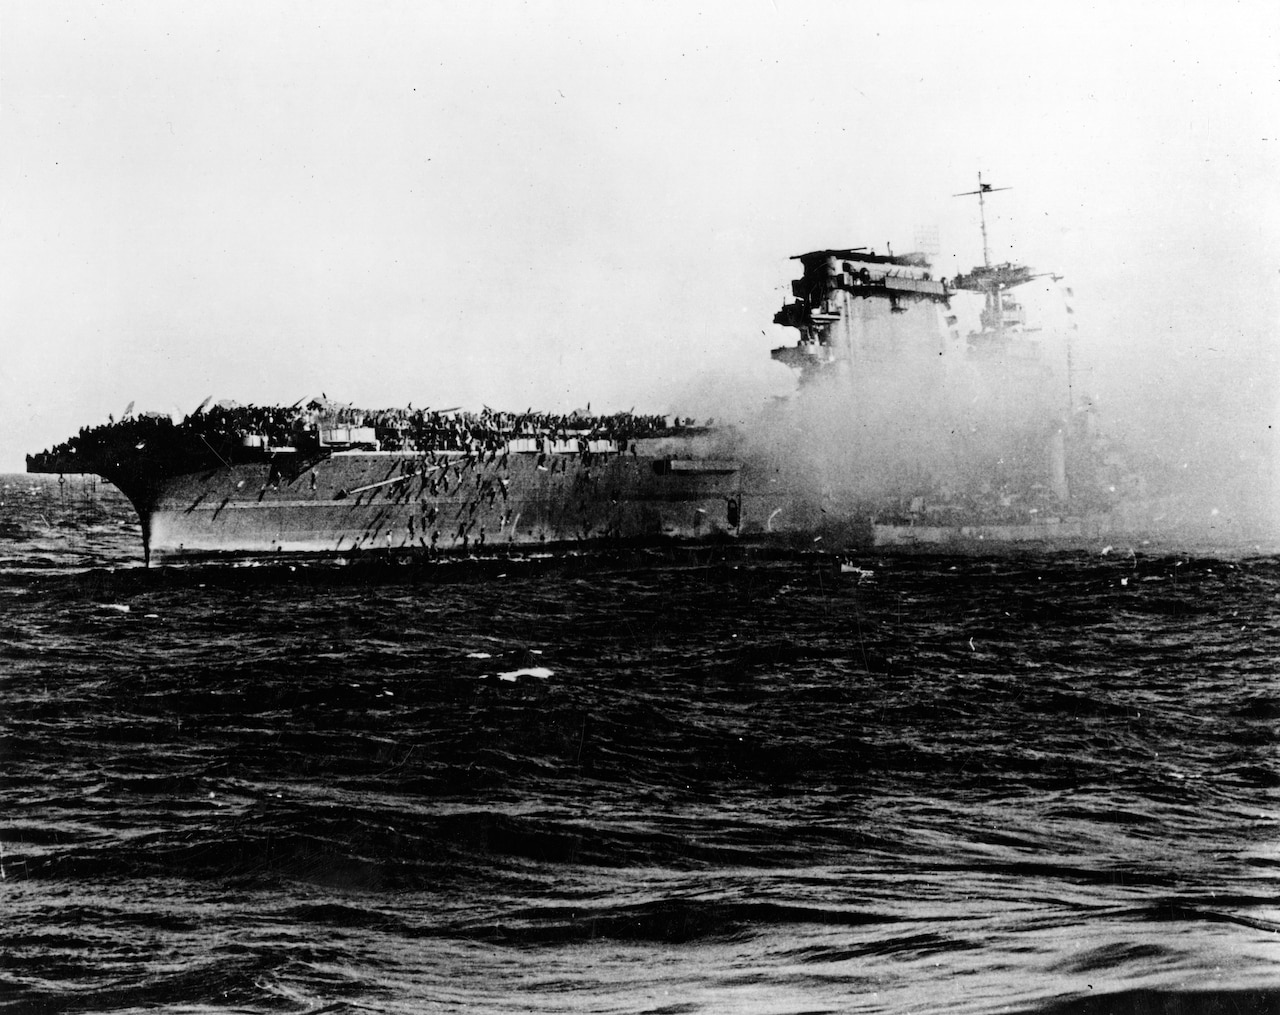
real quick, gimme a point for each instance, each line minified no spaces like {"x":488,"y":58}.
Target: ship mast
{"x":992,"y":281}
{"x":982,"y":191}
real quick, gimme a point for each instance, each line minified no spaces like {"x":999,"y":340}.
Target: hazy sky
{"x":547,"y":204}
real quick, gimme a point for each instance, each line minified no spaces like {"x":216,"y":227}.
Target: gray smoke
{"x":1181,"y":453}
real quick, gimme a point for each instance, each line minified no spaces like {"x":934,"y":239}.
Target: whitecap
{"x":541,"y":672}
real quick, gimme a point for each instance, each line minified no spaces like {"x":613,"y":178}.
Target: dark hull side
{"x":364,"y":501}
{"x":451,"y":503}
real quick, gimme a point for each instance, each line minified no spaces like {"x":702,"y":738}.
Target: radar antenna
{"x":982,"y":191}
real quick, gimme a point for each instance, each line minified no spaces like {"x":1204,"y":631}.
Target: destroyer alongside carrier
{"x":1005,"y":454}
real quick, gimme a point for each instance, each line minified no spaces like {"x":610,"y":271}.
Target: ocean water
{"x":633,"y":784}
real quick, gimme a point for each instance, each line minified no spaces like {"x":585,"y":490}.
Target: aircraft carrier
{"x":990,"y":445}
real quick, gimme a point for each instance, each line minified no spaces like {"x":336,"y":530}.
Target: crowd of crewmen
{"x":137,"y":431}
{"x":302,"y":426}
{"x":488,"y":430}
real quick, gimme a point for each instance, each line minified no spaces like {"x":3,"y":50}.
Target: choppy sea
{"x":633,"y":784}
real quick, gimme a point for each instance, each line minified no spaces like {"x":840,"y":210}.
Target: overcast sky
{"x":525,"y":204}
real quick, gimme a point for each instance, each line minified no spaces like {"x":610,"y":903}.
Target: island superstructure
{"x":982,"y":437}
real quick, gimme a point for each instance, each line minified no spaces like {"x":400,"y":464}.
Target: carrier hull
{"x":362,"y":502}
{"x":426,"y":505}
{"x":403,"y":504}
{"x":1062,"y":534}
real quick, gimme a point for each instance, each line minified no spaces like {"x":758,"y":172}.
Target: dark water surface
{"x":947,"y":784}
